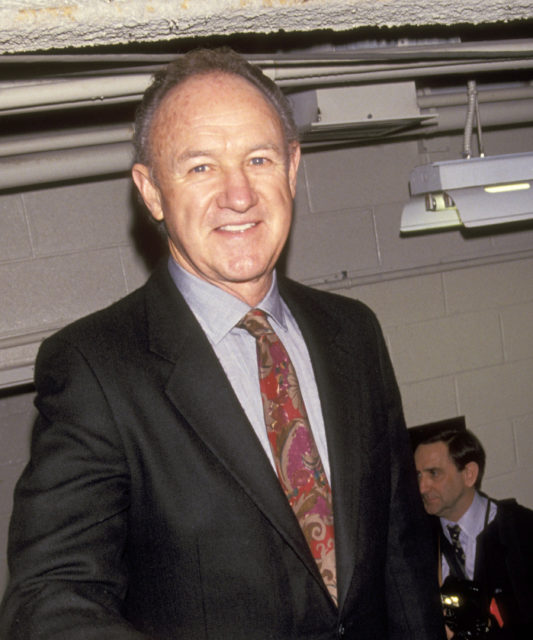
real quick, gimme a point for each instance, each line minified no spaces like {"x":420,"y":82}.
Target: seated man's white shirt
{"x":472,"y":524}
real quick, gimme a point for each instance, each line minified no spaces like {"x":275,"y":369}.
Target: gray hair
{"x":201,"y":62}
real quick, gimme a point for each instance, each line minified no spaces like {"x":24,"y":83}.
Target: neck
{"x":462,"y":507}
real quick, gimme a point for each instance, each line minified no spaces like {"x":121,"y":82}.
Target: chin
{"x":248,"y":271}
{"x":432,"y":511}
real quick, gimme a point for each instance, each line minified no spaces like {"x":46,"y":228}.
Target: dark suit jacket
{"x":504,"y":568}
{"x":149,"y":509}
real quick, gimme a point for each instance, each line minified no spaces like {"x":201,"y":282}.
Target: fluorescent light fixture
{"x":473,"y":192}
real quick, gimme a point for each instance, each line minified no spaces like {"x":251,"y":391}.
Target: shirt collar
{"x":218,"y":311}
{"x":473,"y":520}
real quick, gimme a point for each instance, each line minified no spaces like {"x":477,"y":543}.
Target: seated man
{"x":482,"y":540}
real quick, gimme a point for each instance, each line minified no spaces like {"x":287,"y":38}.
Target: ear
{"x":294,"y":162}
{"x":148,"y":189}
{"x":471,"y":472}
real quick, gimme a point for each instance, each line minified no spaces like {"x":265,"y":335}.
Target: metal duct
{"x":68,"y":164}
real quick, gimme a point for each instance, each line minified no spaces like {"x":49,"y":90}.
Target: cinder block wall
{"x":456,"y":310}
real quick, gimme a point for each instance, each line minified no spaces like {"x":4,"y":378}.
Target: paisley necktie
{"x":298,"y":464}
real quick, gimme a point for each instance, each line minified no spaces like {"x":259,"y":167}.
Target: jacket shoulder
{"x":509,"y":508}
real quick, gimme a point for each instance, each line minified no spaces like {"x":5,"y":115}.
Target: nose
{"x":237,"y":192}
{"x":423,"y":484}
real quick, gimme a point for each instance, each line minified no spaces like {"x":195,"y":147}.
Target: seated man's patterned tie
{"x":298,"y":462}
{"x":455,"y":531}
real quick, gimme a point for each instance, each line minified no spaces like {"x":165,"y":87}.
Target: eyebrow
{"x":191,"y":154}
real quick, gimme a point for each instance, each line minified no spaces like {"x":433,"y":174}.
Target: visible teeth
{"x":237,"y":227}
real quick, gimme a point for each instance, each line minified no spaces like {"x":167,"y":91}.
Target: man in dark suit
{"x":484,"y":543}
{"x":156,"y":505}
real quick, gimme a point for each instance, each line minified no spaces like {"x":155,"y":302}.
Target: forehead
{"x":214,"y":99}
{"x":433,"y":455}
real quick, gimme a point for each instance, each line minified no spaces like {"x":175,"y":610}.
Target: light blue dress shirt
{"x":217,"y":312}
{"x":472,"y":524}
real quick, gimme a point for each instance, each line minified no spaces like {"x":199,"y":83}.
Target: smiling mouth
{"x":237,"y":228}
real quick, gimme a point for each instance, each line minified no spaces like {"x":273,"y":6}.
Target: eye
{"x":258,"y":162}
{"x":201,"y":168}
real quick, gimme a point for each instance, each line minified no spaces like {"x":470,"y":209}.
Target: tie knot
{"x":455,"y":531}
{"x":256,"y":323}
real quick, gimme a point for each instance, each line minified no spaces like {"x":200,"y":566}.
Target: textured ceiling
{"x":40,"y":25}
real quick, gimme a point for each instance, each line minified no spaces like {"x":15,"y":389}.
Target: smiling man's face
{"x":222,"y":180}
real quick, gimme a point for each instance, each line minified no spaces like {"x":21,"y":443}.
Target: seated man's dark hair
{"x":463,"y":446}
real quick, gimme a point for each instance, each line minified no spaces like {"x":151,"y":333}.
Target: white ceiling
{"x":32,"y":25}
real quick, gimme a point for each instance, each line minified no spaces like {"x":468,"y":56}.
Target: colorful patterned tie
{"x":455,"y":531}
{"x":297,"y":460}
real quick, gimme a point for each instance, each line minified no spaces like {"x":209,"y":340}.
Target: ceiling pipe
{"x":494,"y":114}
{"x":69,"y":164}
{"x":427,"y":99}
{"x":72,"y":90}
{"x":35,"y":143}
{"x":76,"y":91}
{"x":287,"y":79}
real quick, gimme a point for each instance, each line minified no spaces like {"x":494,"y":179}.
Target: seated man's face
{"x":446,"y":491}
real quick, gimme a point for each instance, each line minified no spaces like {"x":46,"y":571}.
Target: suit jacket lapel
{"x":337,"y":377}
{"x":199,"y":389}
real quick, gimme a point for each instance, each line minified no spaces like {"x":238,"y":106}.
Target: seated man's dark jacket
{"x":504,"y":568}
{"x":150,"y":510}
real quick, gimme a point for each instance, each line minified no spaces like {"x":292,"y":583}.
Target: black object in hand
{"x":465,"y":608}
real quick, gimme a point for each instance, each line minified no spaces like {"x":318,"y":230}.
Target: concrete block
{"x":14,"y":236}
{"x":50,"y":292}
{"x":301,"y":199}
{"x":429,"y":401}
{"x":328,"y":244}
{"x":497,"y":438}
{"x":14,"y":404}
{"x":508,"y":140}
{"x":419,"y":251}
{"x":4,"y":524}
{"x":517,"y":329}
{"x":446,"y":345}
{"x":402,"y":301}
{"x":15,"y":429}
{"x":9,"y":475}
{"x":361,"y":176}
{"x":80,"y":216}
{"x":495,"y":393}
{"x":523,"y":429}
{"x":489,"y":286}
{"x":517,"y":484}
{"x":136,"y":270}
{"x":513,"y":241}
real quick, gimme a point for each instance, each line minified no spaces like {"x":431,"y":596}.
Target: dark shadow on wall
{"x":148,"y":236}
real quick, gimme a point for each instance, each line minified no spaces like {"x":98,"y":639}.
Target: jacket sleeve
{"x":413,"y":600}
{"x":70,"y":516}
